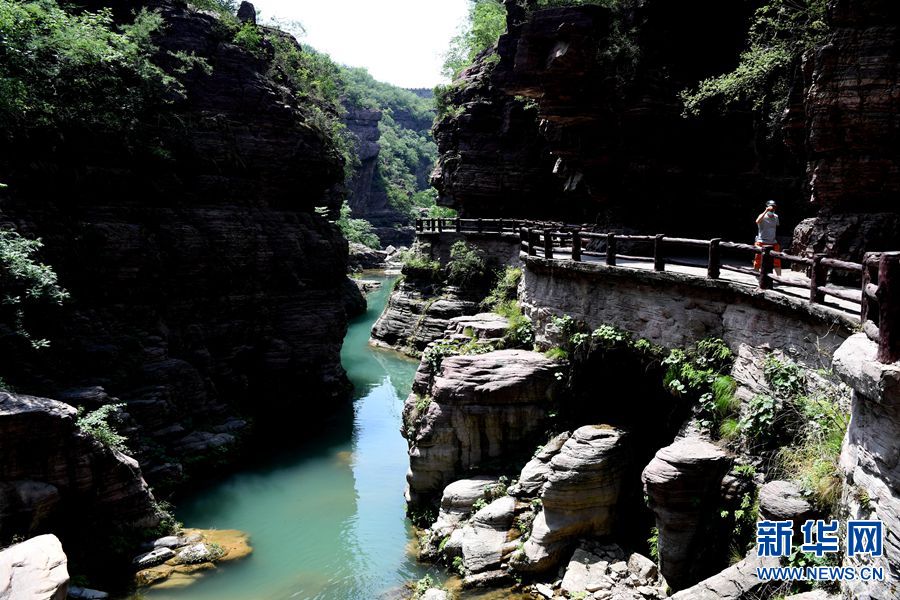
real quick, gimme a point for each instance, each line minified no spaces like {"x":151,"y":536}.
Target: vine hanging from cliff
{"x":781,"y":31}
{"x":24,"y":281}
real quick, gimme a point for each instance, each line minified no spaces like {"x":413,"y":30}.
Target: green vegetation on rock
{"x":485,"y":24}
{"x":61,"y":70}
{"x":97,"y":425}
{"x":357,"y":230}
{"x":467,"y":266}
{"x":24,"y":282}
{"x":505,"y":289}
{"x":781,"y":31}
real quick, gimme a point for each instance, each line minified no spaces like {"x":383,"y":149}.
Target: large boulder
{"x":457,"y":503}
{"x":785,"y":501}
{"x":475,"y":409}
{"x":683,"y":483}
{"x":34,"y":570}
{"x":579,"y":496}
{"x":51,"y":472}
{"x":487,"y":542}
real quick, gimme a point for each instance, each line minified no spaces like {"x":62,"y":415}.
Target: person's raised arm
{"x":761,"y":216}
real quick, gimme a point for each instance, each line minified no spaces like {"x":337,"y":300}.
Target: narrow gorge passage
{"x":328,"y":519}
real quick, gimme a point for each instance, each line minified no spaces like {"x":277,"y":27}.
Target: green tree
{"x":61,"y":69}
{"x":485,"y":24}
{"x":357,"y":230}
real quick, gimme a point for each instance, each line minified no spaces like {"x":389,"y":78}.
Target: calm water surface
{"x":326,"y":521}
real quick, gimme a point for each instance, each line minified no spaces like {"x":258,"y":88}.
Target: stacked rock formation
{"x":475,"y":408}
{"x":683,"y":483}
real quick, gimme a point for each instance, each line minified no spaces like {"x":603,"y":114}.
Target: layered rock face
{"x":683,"y":483}
{"x":54,"y":477}
{"x":869,"y":457}
{"x":34,"y":570}
{"x":422,"y":306}
{"x":474,"y":409}
{"x":847,"y":124}
{"x":418,"y":313}
{"x":203,"y":285}
{"x":579,"y":495}
{"x":493,"y":160}
{"x":612,"y":145}
{"x":367,"y":196}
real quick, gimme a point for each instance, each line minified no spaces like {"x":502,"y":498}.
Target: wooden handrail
{"x":878,"y":296}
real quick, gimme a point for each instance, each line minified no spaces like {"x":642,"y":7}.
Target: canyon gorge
{"x":484,"y":415}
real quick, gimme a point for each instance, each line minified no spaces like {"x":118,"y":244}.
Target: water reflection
{"x":326,"y":521}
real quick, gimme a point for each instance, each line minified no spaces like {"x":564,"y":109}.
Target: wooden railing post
{"x":500,"y":225}
{"x":865,"y":308}
{"x":480,"y":225}
{"x":714,"y":266}
{"x":611,"y":249}
{"x":576,"y":246}
{"x":765,"y":268}
{"x":818,"y":275}
{"x":888,"y":308}
{"x":548,"y":244}
{"x":532,"y":242}
{"x":440,"y":225}
{"x":659,"y":257}
{"x":419,"y":225}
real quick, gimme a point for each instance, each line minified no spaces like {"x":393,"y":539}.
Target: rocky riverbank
{"x":568,"y":521}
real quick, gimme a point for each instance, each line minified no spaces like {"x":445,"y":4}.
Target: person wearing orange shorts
{"x":767,"y":225}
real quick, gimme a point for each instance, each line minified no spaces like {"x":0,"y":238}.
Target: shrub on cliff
{"x":505,"y":290}
{"x":357,"y":230}
{"x":61,"y":69}
{"x":485,"y":25}
{"x":24,"y":281}
{"x":467,"y":267}
{"x":781,"y":31}
{"x":96,"y":424}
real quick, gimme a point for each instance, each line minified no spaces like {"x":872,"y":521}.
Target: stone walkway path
{"x":839,"y":305}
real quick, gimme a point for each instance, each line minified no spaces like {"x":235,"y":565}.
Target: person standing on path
{"x":767,"y":224}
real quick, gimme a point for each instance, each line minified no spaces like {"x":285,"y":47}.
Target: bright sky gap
{"x":399,"y":41}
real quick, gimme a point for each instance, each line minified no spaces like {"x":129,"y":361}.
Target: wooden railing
{"x":469,"y":225}
{"x":878,"y":297}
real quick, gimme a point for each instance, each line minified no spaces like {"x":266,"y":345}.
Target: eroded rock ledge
{"x":53,"y":477}
{"x":473,"y":409}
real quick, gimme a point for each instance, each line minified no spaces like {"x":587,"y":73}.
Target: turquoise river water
{"x":326,"y":521}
